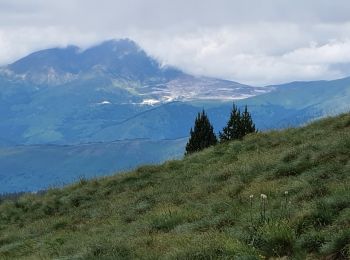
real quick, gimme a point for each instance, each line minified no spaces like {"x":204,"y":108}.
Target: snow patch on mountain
{"x":105,"y":102}
{"x":150,"y":102}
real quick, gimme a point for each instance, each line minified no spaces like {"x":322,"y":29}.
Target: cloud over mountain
{"x":255,"y":42}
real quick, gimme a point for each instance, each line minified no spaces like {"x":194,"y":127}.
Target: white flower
{"x":286,"y":192}
{"x":251,"y":196}
{"x":263,"y":196}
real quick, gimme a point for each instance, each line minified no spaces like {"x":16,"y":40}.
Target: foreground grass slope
{"x":201,"y":207}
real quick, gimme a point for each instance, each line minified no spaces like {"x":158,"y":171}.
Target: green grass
{"x":199,"y":207}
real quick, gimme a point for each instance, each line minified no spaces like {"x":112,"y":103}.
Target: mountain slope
{"x":200,"y":207}
{"x":305,"y":100}
{"x":288,"y":105}
{"x":305,"y":94}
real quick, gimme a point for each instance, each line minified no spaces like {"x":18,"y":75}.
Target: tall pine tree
{"x":247,"y":122}
{"x":233,"y":129}
{"x":202,"y":135}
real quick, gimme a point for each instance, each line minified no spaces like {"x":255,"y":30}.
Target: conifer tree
{"x":247,"y":123}
{"x":233,"y":129}
{"x":202,"y":135}
{"x":239,"y":125}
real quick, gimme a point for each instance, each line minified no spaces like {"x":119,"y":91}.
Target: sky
{"x":256,"y":42}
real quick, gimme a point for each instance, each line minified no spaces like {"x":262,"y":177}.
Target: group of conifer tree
{"x":202,"y":134}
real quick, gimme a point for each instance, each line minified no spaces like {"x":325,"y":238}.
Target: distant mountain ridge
{"x":122,"y":58}
{"x":127,"y":66}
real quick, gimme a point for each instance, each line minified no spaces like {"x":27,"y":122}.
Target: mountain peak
{"x":119,"y":45}
{"x":114,"y":48}
{"x":119,"y":58}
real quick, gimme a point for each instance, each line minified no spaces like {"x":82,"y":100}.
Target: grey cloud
{"x":160,"y":13}
{"x":252,"y":41}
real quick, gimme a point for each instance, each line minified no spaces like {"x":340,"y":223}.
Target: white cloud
{"x":255,"y":42}
{"x":18,"y":42}
{"x":258,"y":55}
{"x":332,"y":52}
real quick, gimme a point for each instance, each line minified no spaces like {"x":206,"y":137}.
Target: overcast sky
{"x":257,"y":42}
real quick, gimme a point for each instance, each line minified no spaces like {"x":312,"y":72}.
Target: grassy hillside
{"x":201,"y":207}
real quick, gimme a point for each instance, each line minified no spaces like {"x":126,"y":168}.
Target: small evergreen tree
{"x":202,"y":135}
{"x":247,"y":122}
{"x":233,"y":129}
{"x":239,"y":125}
